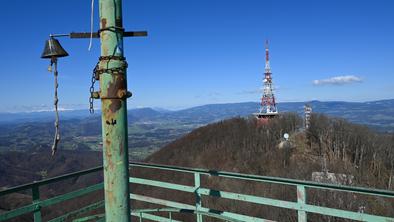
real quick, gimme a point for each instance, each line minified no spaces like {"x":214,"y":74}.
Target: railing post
{"x":301,"y":199}
{"x":197,"y":195}
{"x":36,"y":199}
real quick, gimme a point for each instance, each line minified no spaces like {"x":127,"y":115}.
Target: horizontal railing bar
{"x":153,"y":210}
{"x":250,"y":199}
{"x":49,"y":180}
{"x":176,"y":210}
{"x":153,"y":217}
{"x":203,"y":210}
{"x":294,"y":206}
{"x":345,"y":214}
{"x":166,"y":185}
{"x":236,"y":216}
{"x":90,"y":218}
{"x":161,"y":202}
{"x":79,"y":211}
{"x":71,"y":195}
{"x":227,"y":219}
{"x":17,"y":212}
{"x":51,"y":201}
{"x":277,"y":180}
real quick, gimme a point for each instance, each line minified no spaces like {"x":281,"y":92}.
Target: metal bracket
{"x":123,"y":95}
{"x":84,"y":35}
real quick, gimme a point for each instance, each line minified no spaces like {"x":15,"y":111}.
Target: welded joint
{"x":37,"y":206}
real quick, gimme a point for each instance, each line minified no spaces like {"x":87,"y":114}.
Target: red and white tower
{"x":268,"y":107}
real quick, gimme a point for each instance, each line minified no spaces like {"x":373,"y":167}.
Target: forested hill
{"x":241,"y":145}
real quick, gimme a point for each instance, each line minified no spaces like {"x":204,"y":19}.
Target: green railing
{"x":37,"y":204}
{"x":171,"y":208}
{"x":301,"y":205}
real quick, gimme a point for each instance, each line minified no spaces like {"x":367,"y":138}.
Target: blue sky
{"x":205,"y":51}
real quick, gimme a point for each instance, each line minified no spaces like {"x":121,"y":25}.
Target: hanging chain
{"x":97,"y":72}
{"x":91,"y":90}
{"x":56,"y":100}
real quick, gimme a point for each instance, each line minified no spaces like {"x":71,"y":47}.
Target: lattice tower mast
{"x":268,"y":104}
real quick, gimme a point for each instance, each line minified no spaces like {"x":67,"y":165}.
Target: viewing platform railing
{"x":37,"y":204}
{"x":301,"y":206}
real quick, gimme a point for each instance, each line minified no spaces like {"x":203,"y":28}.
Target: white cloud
{"x":338,"y":80}
{"x":43,"y":108}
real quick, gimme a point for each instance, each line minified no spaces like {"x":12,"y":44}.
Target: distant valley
{"x":151,"y":129}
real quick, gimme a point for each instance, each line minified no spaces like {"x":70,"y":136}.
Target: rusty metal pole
{"x":113,"y":94}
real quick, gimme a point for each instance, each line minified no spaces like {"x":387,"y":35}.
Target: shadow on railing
{"x":171,"y":208}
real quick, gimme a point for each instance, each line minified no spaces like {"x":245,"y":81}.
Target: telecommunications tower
{"x":308,"y":113}
{"x":268,"y":105}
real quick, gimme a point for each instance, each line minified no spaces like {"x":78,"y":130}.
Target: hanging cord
{"x":56,"y":100}
{"x":91,"y":25}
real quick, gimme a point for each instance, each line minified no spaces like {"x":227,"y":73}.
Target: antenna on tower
{"x":267,"y":58}
{"x":307,"y":115}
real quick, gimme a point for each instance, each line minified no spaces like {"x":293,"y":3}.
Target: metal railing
{"x":301,"y":205}
{"x":37,"y":204}
{"x":170,"y":208}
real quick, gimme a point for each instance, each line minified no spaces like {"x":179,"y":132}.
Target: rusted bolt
{"x":95,"y":95}
{"x":122,"y":93}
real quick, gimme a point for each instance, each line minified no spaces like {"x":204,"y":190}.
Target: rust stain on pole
{"x":114,"y":113}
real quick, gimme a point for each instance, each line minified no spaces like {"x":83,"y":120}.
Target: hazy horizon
{"x":80,"y":107}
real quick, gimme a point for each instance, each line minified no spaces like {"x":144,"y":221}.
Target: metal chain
{"x":97,"y":71}
{"x":115,"y":70}
{"x":91,"y":90}
{"x":112,"y":57}
{"x":56,"y":100}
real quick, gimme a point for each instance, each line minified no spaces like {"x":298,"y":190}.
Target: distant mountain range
{"x":40,"y":116}
{"x":376,"y":114}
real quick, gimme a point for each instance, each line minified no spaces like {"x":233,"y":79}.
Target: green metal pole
{"x":113,"y":91}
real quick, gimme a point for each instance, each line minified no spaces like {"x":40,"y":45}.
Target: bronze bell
{"x":53,"y":49}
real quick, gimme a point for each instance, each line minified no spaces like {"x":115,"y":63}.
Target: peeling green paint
{"x":114,"y":115}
